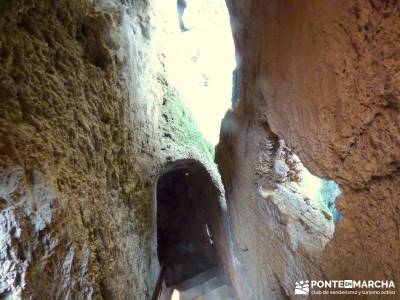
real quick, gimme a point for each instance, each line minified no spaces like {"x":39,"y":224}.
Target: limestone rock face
{"x":325,"y":76}
{"x":277,"y":234}
{"x":76,"y":206}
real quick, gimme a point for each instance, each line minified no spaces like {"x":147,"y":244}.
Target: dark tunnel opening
{"x":184,"y":223}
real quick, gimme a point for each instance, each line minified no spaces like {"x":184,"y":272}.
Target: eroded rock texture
{"x":278,"y":234}
{"x":76,"y":208}
{"x":325,"y":76}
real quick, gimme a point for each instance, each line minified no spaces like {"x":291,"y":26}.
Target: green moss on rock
{"x":181,"y":125}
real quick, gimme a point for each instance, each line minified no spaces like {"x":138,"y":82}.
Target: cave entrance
{"x":186,"y":197}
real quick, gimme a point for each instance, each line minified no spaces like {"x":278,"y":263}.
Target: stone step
{"x":223,"y":292}
{"x":198,"y":279}
{"x":215,"y":287}
{"x":209,"y":285}
{"x":202,"y":289}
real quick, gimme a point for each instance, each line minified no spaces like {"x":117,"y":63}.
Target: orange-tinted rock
{"x":325,"y":76}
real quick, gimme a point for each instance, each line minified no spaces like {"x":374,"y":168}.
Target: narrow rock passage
{"x":183,"y":243}
{"x":188,"y":227}
{"x":113,"y":158}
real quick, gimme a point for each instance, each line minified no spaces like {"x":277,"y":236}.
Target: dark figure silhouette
{"x":235,"y":87}
{"x":181,"y":6}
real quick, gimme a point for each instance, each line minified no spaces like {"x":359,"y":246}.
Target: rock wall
{"x":324,"y":75}
{"x":76,"y":210}
{"x":278,"y":234}
{"x":86,"y":125}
